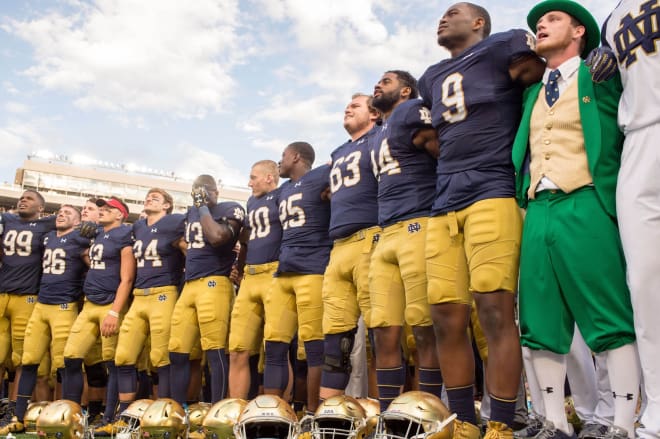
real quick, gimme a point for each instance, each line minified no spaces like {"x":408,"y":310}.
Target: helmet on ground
{"x":372,"y":409}
{"x":416,"y":415}
{"x":31,"y":414}
{"x":132,"y":417}
{"x":61,"y":419}
{"x":340,"y":417}
{"x":221,"y":417}
{"x":163,"y":419}
{"x":267,"y":416}
{"x":196,"y":414}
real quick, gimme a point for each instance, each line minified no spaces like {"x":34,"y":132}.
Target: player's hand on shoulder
{"x":88,"y":229}
{"x":602,"y":64}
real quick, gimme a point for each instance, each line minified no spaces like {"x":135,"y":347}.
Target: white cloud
{"x":194,"y":160}
{"x":134,"y":55}
{"x":10,"y":88}
{"x":20,"y":137}
{"x":16,"y":107}
{"x":249,"y":126}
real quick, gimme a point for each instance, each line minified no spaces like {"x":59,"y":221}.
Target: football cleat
{"x":14,"y":426}
{"x":164,"y":419}
{"x":416,"y":415}
{"x":110,"y":428}
{"x":221,"y":418}
{"x":61,"y":419}
{"x":267,"y":416}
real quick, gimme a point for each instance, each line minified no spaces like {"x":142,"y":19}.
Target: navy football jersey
{"x":263,"y":221}
{"x":22,"y":249}
{"x":63,"y":268}
{"x":354,"y":202}
{"x":305,"y":218}
{"x":103,"y":276}
{"x":476,"y":109}
{"x":202,"y":259}
{"x":158,"y":262}
{"x":406,"y":174}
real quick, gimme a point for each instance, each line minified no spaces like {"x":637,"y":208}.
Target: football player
{"x":22,"y":249}
{"x":401,"y":156}
{"x":295,"y":301}
{"x":212,"y":229}
{"x":95,"y":371}
{"x":158,"y":253}
{"x":57,"y":306}
{"x":354,"y":229}
{"x":107,"y":287}
{"x":474,"y":231}
{"x":262,"y":235}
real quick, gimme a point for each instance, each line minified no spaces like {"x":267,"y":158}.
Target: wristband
{"x":204,"y":210}
{"x":114,"y":314}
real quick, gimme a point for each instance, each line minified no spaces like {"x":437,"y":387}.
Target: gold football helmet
{"x":372,"y":409}
{"x":164,"y":419}
{"x":61,"y":419}
{"x":31,"y":414}
{"x":196,"y":413}
{"x":132,"y":417}
{"x":339,"y":417}
{"x":416,"y":415}
{"x":267,"y":416}
{"x":221,"y":417}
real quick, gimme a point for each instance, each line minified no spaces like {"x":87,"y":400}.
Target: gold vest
{"x":556,"y":143}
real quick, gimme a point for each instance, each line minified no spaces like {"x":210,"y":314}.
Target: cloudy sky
{"x":204,"y":86}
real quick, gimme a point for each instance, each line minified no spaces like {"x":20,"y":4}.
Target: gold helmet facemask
{"x":339,"y":417}
{"x":267,"y":416}
{"x":132,"y":416}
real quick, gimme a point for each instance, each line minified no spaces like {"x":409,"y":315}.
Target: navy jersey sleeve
{"x":513,"y":45}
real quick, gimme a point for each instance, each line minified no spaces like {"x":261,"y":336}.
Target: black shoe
{"x":592,"y":430}
{"x":550,"y":432}
{"x":615,"y":432}
{"x":533,"y":427}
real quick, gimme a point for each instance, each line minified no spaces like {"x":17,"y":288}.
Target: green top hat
{"x":573,"y":9}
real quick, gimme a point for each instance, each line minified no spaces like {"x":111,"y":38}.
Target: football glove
{"x":602,"y":64}
{"x":88,"y":229}
{"x":200,"y":196}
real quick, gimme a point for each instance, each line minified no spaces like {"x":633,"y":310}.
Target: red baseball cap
{"x":115,"y":203}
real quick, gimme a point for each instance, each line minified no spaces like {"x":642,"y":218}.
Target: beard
{"x":385,"y":102}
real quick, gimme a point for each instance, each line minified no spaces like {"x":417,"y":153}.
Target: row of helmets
{"x":411,"y":415}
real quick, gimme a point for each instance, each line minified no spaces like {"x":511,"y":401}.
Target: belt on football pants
{"x":253,"y":269}
{"x":368,"y":233}
{"x":154,"y":290}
